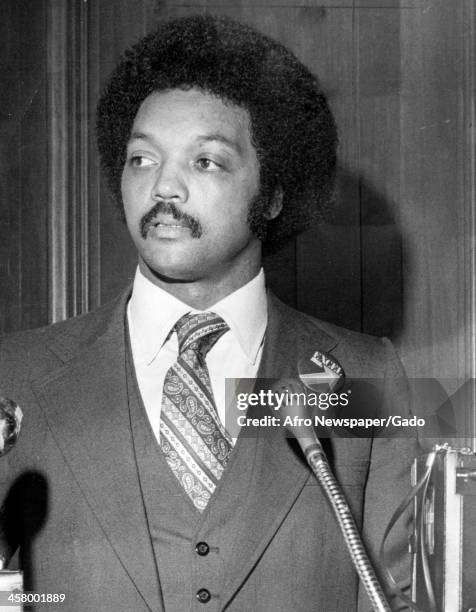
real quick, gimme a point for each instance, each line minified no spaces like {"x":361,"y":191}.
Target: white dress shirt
{"x":152,"y":313}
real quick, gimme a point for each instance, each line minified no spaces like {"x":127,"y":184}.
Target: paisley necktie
{"x":195,"y":443}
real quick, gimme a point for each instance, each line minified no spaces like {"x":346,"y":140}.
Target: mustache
{"x":169,"y":208}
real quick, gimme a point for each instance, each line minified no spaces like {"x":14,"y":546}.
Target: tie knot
{"x":199,"y":332}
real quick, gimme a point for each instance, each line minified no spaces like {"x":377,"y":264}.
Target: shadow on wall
{"x":348,"y":268}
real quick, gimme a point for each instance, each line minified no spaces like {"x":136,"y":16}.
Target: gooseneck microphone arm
{"x":318,"y":463}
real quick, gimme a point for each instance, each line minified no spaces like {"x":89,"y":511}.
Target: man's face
{"x":190,"y":175}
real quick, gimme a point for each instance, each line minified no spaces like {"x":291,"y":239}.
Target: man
{"x":125,"y":491}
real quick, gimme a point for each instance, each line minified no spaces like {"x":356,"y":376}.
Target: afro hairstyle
{"x":292,"y":127}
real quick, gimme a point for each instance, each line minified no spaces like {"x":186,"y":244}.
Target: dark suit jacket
{"x":71,"y":492}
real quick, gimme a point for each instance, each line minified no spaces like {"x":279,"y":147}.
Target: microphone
{"x":304,"y":434}
{"x":10,"y":424}
{"x":317,"y":460}
{"x":320,"y":373}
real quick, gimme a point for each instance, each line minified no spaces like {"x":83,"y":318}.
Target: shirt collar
{"x":246,"y":313}
{"x":152,"y":312}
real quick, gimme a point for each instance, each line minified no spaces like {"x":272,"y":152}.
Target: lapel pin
{"x":321,"y":372}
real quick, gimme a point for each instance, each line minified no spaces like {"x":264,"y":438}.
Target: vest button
{"x":203,"y":595}
{"x":202,"y":549}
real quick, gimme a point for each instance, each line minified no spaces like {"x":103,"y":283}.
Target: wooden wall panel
{"x":114,"y":26}
{"x":23,"y":166}
{"x":378,"y":53}
{"x":328,"y":267}
{"x":432,"y":200}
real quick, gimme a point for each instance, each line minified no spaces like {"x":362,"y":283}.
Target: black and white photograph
{"x":237,"y":306}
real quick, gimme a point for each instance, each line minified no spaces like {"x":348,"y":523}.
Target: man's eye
{"x":207,"y":164}
{"x":140,"y":161}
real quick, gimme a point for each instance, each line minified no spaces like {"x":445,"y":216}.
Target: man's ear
{"x":276,"y":204}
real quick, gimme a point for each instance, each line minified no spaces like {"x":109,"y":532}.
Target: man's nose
{"x":170,"y":183}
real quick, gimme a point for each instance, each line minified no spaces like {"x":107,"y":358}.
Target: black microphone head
{"x":10,"y":423}
{"x":321,"y":373}
{"x":295,"y":415}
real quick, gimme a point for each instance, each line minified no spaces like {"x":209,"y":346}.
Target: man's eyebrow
{"x":139,"y":136}
{"x":233,"y":144}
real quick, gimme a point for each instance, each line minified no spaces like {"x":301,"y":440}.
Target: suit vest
{"x":191,"y":548}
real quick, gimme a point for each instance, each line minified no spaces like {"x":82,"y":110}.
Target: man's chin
{"x":166,"y":274}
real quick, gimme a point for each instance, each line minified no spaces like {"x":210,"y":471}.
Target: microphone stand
{"x":318,"y":463}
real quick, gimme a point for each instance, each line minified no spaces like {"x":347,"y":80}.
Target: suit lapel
{"x":279,"y":471}
{"x":290,"y":335}
{"x":86,"y":405}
